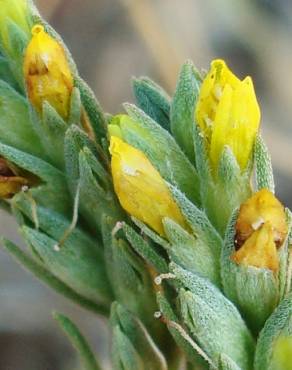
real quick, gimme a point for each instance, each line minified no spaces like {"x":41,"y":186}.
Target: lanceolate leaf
{"x":153,"y":100}
{"x":163,"y":152}
{"x":264,"y":171}
{"x":78,"y":341}
{"x":49,"y":279}
{"x":183,"y":108}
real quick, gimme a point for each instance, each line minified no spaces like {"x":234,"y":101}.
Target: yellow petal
{"x":47,"y":72}
{"x":140,"y":189}
{"x":262,"y":207}
{"x":220,"y":126}
{"x":211,"y":91}
{"x":259,"y":250}
{"x":228,"y":114}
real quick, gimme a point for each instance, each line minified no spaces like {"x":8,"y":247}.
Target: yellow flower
{"x":260,"y":208}
{"x":11,"y":181}
{"x":259,"y":250}
{"x":15,"y":11}
{"x":261,"y":227}
{"x":47,"y":73}
{"x":141,"y":190}
{"x":228,"y":114}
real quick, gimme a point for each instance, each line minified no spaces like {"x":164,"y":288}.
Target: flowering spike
{"x":47,"y":73}
{"x":228,"y":114}
{"x":141,"y":190}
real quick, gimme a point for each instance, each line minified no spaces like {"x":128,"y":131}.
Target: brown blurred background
{"x":111,"y":41}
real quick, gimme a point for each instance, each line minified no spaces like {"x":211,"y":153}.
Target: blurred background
{"x":111,"y":41}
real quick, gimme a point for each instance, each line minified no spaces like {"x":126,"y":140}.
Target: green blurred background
{"x":111,"y":41}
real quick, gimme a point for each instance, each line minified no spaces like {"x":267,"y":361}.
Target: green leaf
{"x":5,"y":73}
{"x":198,"y":222}
{"x":78,"y":341}
{"x":140,"y":340}
{"x":77,"y":263}
{"x":93,"y":110}
{"x":75,"y":141}
{"x":145,"y":249}
{"x":51,"y":130}
{"x":263,"y":165}
{"x":49,"y":279}
{"x":192,"y":253}
{"x":153,"y":100}
{"x":16,"y":128}
{"x":124,"y":355}
{"x":75,"y":107}
{"x":169,"y":317}
{"x":226,"y":363}
{"x":202,"y":159}
{"x":183,"y":108}
{"x":18,"y":41}
{"x":95,"y":200}
{"x":277,"y":328}
{"x":213,"y":320}
{"x":224,"y":191}
{"x":130,"y":278}
{"x":150,"y":233}
{"x":162,"y":151}
{"x":96,"y":192}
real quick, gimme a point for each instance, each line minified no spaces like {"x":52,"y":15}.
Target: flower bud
{"x":47,"y":73}
{"x":141,"y":190}
{"x":261,"y":208}
{"x":15,"y":11}
{"x":10,"y":180}
{"x":261,"y":227}
{"x":259,"y":250}
{"x":228,"y":114}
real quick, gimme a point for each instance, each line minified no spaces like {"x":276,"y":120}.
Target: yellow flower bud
{"x":15,"y":11}
{"x":259,"y":250}
{"x":11,"y":182}
{"x":262,"y":207}
{"x":228,"y":114}
{"x":141,"y":190}
{"x":47,"y":73}
{"x":261,"y":227}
